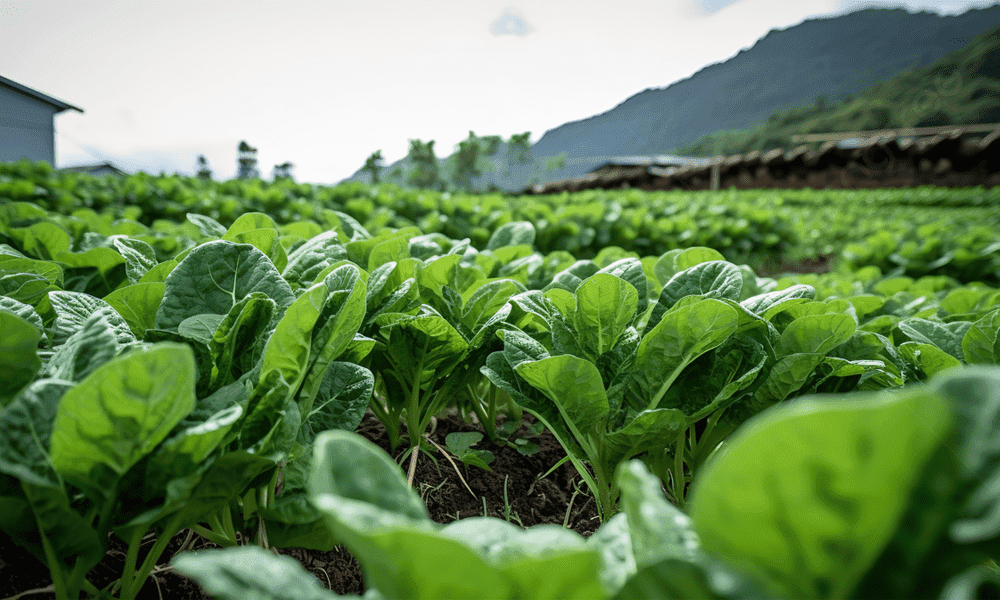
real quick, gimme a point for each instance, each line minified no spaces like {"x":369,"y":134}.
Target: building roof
{"x":955,"y":160}
{"x":59,"y":105}
{"x":93,"y":169}
{"x":661,"y":161}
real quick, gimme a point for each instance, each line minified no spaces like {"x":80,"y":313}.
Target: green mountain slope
{"x":828,"y":58}
{"x":962,"y":87}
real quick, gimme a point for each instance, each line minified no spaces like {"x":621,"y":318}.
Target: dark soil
{"x":511,"y":490}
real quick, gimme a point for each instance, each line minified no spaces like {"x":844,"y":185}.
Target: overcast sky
{"x":324,"y":84}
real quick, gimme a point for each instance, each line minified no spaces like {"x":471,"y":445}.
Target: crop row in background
{"x":913,"y":232}
{"x":163,"y":375}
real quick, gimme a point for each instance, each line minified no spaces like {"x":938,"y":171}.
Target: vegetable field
{"x":207,"y":389}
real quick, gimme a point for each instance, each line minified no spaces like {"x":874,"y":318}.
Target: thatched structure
{"x":947,"y":159}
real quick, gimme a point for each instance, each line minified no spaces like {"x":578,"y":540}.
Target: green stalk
{"x":710,"y":439}
{"x":579,"y":466}
{"x":413,"y":425}
{"x":90,"y":588}
{"x":655,"y":402}
{"x":77,"y":575}
{"x":413,"y":403}
{"x":678,"y":474}
{"x":262,"y":497}
{"x":229,"y":524}
{"x":75,"y":580}
{"x":55,"y":568}
{"x":272,"y":487}
{"x":391,"y":428}
{"x":604,"y":491}
{"x":220,"y":530}
{"x":138,"y":579}
{"x":215,"y":525}
{"x":591,"y":448}
{"x":131,"y":558}
{"x":712,"y":421}
{"x":488,"y":417}
{"x":592,"y":484}
{"x":513,"y":409}
{"x":212,"y":536}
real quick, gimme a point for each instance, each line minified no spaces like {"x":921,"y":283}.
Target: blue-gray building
{"x":27,"y":128}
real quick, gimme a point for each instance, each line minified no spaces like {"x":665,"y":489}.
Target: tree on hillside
{"x":282,"y":171}
{"x":489,"y":144}
{"x":519,"y":148}
{"x":555,"y":163}
{"x":424,"y":164}
{"x":466,"y":158}
{"x":203,"y":171}
{"x":247,"y":161}
{"x":374,"y":165}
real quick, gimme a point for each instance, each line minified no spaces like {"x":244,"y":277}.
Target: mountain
{"x":961,"y":87}
{"x":829,"y":58}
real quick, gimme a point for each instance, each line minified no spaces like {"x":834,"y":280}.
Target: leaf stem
{"x":55,"y":567}
{"x":413,"y":466}
{"x":212,"y":536}
{"x":221,"y":531}
{"x":131,"y":558}
{"x":79,"y":572}
{"x":413,"y":419}
{"x":678,"y":472}
{"x":391,"y":427}
{"x":486,"y":417}
{"x":655,"y":402}
{"x":137,"y":579}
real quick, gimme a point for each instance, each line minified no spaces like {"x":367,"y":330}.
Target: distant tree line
{"x":246,"y":165}
{"x":471,"y":159}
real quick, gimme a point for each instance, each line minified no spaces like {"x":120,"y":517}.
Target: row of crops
{"x":912,"y":232}
{"x":193,"y":355}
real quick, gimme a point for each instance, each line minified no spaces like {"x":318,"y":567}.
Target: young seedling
{"x":509,"y":514}
{"x":506,"y":431}
{"x":460,"y":444}
{"x":453,"y":465}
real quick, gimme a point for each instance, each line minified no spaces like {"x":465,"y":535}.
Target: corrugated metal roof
{"x":94,"y":168}
{"x":27,"y":91}
{"x":661,"y":161}
{"x":953,"y":159}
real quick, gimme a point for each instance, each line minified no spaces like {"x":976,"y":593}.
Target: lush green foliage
{"x":927,"y":231}
{"x":612,"y":378}
{"x":182,"y":375}
{"x":913,"y":232}
{"x":582,"y":224}
{"x":887,"y":495}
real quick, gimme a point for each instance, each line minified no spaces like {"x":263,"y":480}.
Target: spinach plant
{"x":461,"y":443}
{"x":290,"y":357}
{"x":432,"y":357}
{"x":64,"y":465}
{"x":303,"y":389}
{"x":873,"y":495}
{"x":576,"y":386}
{"x":887,"y":495}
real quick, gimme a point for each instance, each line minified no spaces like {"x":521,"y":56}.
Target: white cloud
{"x":711,"y":6}
{"x":511,"y":22}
